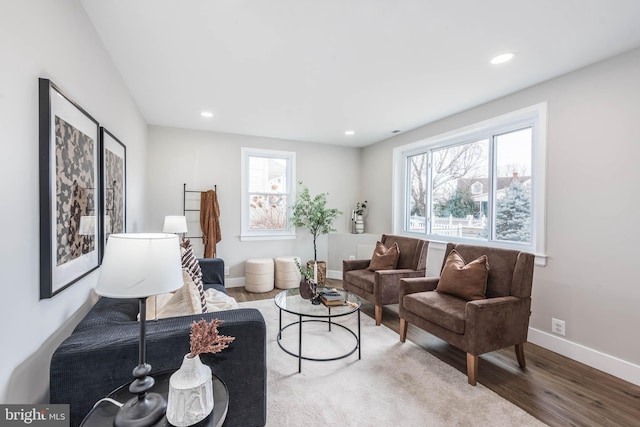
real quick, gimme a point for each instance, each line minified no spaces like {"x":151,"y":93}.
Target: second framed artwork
{"x":114,"y":184}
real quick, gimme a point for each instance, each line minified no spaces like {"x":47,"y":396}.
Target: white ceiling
{"x":308,"y":70}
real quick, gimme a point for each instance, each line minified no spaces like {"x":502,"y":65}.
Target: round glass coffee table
{"x":290,"y":301}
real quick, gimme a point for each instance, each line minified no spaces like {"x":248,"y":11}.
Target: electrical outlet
{"x":352,"y":257}
{"x":557,"y":326}
{"x":226,"y":271}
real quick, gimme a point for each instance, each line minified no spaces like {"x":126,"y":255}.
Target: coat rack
{"x":184,"y":204}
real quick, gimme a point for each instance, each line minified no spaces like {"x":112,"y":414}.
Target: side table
{"x":104,"y":412}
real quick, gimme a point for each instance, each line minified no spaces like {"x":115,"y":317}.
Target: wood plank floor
{"x":554,"y":389}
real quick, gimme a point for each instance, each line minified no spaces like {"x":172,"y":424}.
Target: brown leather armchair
{"x":381,"y":287}
{"x":477,"y":326}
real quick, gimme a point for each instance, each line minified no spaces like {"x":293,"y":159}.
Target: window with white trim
{"x":268,"y":178}
{"x":483,"y":184}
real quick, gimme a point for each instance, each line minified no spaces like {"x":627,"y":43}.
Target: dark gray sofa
{"x":102,"y":351}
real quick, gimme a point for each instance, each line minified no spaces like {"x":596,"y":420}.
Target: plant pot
{"x":322,"y":271}
{"x":359,"y":224}
{"x":190,"y":397}
{"x":307,"y":289}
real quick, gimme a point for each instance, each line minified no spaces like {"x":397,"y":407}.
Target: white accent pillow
{"x":183,"y":302}
{"x":218,"y":301}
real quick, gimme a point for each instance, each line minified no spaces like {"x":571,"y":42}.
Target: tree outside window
{"x":513,"y":214}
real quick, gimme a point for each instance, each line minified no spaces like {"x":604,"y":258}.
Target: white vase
{"x":190,"y":397}
{"x":359,"y":224}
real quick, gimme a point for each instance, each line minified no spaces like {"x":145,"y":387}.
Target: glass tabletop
{"x":290,"y":301}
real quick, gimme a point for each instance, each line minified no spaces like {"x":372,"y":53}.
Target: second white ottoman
{"x":287,"y":272}
{"x":258,"y":275}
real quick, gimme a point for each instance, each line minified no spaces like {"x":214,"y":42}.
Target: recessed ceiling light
{"x":349,"y":132}
{"x":207,"y":114}
{"x":501,"y":59}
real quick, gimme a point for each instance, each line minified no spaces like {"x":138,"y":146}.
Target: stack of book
{"x":330,"y":298}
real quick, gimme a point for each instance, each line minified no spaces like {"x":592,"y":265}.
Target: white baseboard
{"x":622,"y":369}
{"x":237,"y":282}
{"x":334,"y":274}
{"x":233,"y":282}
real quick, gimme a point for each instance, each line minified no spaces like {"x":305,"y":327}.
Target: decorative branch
{"x":205,"y":338}
{"x":360,"y":207}
{"x":307,"y":271}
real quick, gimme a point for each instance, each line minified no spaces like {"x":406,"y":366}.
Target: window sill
{"x":265,"y":237}
{"x":540,"y":259}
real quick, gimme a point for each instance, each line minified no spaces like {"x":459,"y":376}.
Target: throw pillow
{"x":183,"y":302}
{"x":466,"y":281}
{"x":190,"y":265}
{"x":217,"y":301}
{"x":384,"y":258}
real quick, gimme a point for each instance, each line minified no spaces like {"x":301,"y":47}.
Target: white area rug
{"x":394,"y":384}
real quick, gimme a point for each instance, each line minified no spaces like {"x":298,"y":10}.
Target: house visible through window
{"x":268,"y":178}
{"x":484,"y":183}
{"x":476,"y":187}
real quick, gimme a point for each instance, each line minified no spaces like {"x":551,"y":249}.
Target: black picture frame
{"x":113,"y":178}
{"x":70,"y":192}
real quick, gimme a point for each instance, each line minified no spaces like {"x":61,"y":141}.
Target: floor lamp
{"x":139,"y":265}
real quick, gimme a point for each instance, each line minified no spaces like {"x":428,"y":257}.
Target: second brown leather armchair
{"x":475,"y":326}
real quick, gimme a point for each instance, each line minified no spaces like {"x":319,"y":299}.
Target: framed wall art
{"x":70,"y":191}
{"x":114,"y":184}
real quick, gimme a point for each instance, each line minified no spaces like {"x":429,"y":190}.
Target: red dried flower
{"x":205,"y":338}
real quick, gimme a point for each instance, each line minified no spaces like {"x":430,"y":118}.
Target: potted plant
{"x":358,"y":218}
{"x":313,"y":214}
{"x":308,"y":284}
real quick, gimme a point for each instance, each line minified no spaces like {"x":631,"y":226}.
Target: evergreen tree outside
{"x":459,"y":205}
{"x":513,"y":214}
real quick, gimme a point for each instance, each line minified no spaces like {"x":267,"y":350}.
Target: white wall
{"x":593,"y":208}
{"x":204,"y":159}
{"x":345,"y":245}
{"x":55,"y":40}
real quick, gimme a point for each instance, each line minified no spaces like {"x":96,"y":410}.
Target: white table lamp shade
{"x":138,"y":265}
{"x":174,"y":224}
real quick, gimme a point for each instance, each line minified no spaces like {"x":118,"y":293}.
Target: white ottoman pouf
{"x":258,"y":275}
{"x":287,"y":272}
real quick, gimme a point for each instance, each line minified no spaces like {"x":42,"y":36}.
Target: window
{"x":483,"y":184}
{"x":267,"y":184}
